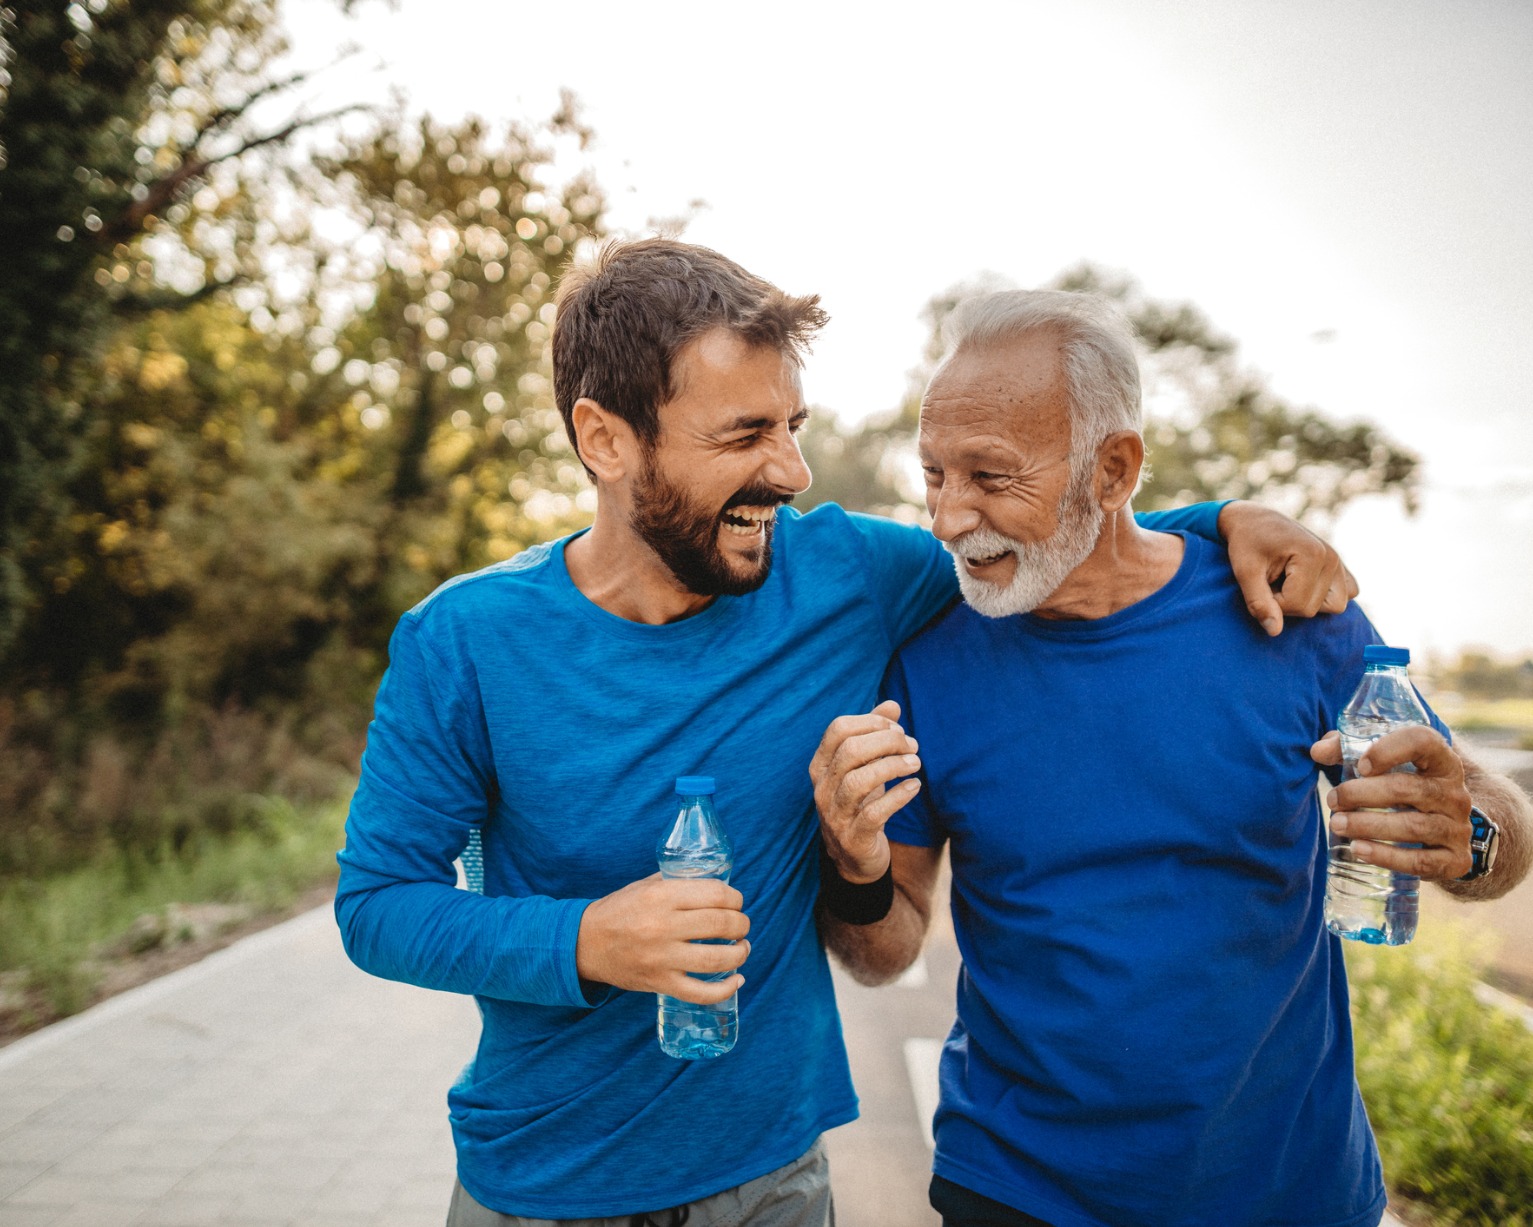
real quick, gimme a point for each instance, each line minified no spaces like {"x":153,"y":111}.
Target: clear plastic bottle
{"x":696,"y":847}
{"x":1364,"y":902}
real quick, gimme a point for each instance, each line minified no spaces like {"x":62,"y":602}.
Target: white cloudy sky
{"x":1357,"y":169}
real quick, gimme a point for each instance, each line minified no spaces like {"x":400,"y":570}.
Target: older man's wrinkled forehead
{"x":1010,"y":384}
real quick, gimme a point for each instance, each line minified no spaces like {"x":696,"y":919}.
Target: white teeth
{"x":985,"y":562}
{"x":746,"y":522}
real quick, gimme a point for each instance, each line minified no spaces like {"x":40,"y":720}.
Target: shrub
{"x":58,"y":932}
{"x":76,"y":786}
{"x":1446,"y":1078}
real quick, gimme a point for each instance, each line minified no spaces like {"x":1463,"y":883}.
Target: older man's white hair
{"x":1096,"y":347}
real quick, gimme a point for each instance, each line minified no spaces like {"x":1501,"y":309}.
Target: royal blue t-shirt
{"x":515,"y":707}
{"x":1152,"y":1020}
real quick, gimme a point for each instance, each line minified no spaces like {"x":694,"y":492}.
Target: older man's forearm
{"x":1509,"y":808}
{"x":876,"y":953}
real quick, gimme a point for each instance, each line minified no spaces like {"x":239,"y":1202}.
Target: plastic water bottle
{"x":697,"y":847}
{"x":1365,"y":902}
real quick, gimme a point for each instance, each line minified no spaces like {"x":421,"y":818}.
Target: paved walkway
{"x":274,"y":1084}
{"x":271,"y":1083}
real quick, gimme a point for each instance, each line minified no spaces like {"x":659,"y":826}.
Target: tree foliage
{"x":324,"y":458}
{"x":120,"y":120}
{"x":1214,"y":429}
{"x":279,"y":393}
{"x":1479,"y":675}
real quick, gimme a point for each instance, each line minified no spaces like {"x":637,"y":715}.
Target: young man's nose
{"x":786,"y":469}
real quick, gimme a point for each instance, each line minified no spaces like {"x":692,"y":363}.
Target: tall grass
{"x":74,"y":785}
{"x":1447,"y":1079}
{"x":53,"y":929}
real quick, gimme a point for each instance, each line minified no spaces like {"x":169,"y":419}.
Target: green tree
{"x":259,"y":399}
{"x":119,"y":120}
{"x":1214,"y":429}
{"x":276,"y":475}
{"x":1482,"y":676}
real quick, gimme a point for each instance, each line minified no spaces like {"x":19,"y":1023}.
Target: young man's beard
{"x":686,"y":535}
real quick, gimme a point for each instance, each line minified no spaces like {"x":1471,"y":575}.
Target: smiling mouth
{"x":747,"y":521}
{"x":987,"y":561}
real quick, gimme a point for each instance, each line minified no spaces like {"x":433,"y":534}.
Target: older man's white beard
{"x":1042,"y":566}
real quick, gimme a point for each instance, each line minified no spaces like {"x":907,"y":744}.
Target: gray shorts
{"x":797,"y":1195}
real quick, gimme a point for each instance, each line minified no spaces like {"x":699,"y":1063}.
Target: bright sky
{"x":1342,"y":185}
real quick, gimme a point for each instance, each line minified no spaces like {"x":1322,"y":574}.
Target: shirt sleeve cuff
{"x":564,"y":979}
{"x":541,"y":969}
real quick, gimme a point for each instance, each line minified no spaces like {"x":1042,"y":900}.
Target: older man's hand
{"x":857,"y":757}
{"x":1431,"y":804}
{"x":1282,"y":567}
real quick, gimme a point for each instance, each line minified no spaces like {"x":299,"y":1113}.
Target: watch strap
{"x":1482,"y":844}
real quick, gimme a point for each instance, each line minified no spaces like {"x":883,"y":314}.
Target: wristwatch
{"x":1483,"y":843}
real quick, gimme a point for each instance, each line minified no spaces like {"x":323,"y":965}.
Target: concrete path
{"x":272,"y":1083}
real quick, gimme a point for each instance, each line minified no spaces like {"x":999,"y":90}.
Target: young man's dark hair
{"x":622,"y":321}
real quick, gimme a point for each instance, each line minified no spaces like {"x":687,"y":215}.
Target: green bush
{"x":54,"y":931}
{"x":1447,"y":1079}
{"x":79,"y":787}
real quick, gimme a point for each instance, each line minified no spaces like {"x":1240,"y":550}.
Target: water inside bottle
{"x":1364,"y":902}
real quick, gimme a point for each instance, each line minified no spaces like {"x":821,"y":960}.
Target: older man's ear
{"x":1119,"y":460}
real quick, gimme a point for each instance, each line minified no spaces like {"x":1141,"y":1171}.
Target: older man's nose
{"x":951,"y":514}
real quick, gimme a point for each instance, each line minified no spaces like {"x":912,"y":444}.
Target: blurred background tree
{"x":1214,"y":429}
{"x":1481,"y":675}
{"x":118,"y":122}
{"x":271,"y":377}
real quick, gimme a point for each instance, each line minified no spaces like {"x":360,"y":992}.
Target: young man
{"x":549,"y":703}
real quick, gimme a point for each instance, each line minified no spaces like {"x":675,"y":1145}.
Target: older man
{"x":1152,"y":1020}
{"x":547,"y":705}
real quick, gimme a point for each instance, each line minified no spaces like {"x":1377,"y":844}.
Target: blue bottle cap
{"x":694,"y":786}
{"x":1378,"y":654}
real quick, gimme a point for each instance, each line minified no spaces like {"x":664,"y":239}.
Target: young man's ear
{"x":1119,"y":460}
{"x":606,"y":443}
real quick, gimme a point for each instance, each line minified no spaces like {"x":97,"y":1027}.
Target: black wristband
{"x":855,"y":903}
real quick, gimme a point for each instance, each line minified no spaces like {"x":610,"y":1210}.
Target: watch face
{"x":1492,"y":845}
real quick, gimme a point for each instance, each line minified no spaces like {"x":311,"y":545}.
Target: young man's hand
{"x":646,"y":936}
{"x":1282,"y":567}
